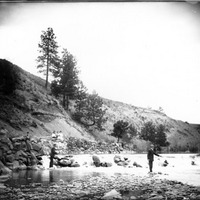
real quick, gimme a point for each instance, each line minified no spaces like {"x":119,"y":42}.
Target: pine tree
{"x":68,"y":77}
{"x":80,"y":101}
{"x":48,"y":59}
{"x":90,"y":111}
{"x":148,"y":132}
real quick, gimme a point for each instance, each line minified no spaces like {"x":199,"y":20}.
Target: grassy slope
{"x":179,"y":133}
{"x":33,"y":109}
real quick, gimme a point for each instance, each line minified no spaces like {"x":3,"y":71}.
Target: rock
{"x":159,"y":197}
{"x":2,"y":186}
{"x":16,"y":165}
{"x":121,"y":163}
{"x":136,"y":164}
{"x":113,"y":194}
{"x":3,"y":131}
{"x":10,"y":158}
{"x":96,"y":160}
{"x":165,"y":163}
{"x":106,"y":164}
{"x":193,"y":163}
{"x":117,"y":159}
{"x":64,"y":163}
{"x":75,"y":164}
{"x":4,"y":169}
{"x":133,"y":198}
{"x":36,"y":147}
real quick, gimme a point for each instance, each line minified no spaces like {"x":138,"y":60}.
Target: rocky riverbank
{"x":24,"y":152}
{"x":19,"y":153}
{"x":127,"y":187}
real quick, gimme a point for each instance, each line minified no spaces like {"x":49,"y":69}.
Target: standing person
{"x":52,"y":155}
{"x":150,"y":157}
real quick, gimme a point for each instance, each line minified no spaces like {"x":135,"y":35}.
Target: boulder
{"x":3,"y":131}
{"x":136,"y":164}
{"x":3,"y":178}
{"x":16,"y":165}
{"x":117,"y":159}
{"x":5,"y":147}
{"x":3,"y":169}
{"x":113,"y":194}
{"x":20,"y":154}
{"x":106,"y":164}
{"x":36,"y":147}
{"x":96,"y":160}
{"x":75,"y":164}
{"x":17,"y":146}
{"x":64,"y":163}
{"x":165,"y":163}
{"x":10,"y":158}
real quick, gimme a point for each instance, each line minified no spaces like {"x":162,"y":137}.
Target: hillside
{"x":179,"y":133}
{"x":31,"y":108}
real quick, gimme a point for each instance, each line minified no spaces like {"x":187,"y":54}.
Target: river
{"x":182,"y":167}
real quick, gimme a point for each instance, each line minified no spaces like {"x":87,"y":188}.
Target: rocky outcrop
{"x":18,"y":153}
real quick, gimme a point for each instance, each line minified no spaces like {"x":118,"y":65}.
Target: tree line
{"x":88,"y":108}
{"x":66,"y":84}
{"x":156,"y":134}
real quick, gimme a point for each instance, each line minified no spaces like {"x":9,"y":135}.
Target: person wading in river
{"x":150,"y":157}
{"x":52,"y":155}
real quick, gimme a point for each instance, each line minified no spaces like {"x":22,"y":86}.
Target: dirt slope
{"x":32,"y":108}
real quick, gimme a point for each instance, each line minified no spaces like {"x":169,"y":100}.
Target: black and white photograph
{"x":100,"y":100}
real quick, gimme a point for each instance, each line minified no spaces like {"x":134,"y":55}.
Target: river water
{"x":181,"y":167}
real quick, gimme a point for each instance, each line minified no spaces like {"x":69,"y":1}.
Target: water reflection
{"x":26,"y":177}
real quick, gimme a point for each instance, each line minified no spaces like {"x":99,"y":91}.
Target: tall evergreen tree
{"x":48,"y":49}
{"x":66,"y":78}
{"x":69,"y":77}
{"x":80,"y":100}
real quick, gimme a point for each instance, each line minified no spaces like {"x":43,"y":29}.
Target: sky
{"x":146,"y":54}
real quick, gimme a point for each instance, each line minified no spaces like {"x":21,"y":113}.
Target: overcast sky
{"x":144,"y":54}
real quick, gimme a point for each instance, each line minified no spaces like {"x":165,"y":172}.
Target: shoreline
{"x":121,"y":186}
{"x":118,"y":181}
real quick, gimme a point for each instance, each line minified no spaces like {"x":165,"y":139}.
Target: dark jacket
{"x":150,"y":155}
{"x":53,"y":152}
